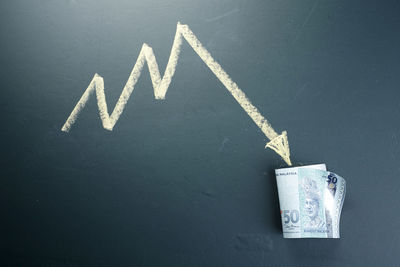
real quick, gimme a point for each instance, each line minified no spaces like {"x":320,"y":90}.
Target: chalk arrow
{"x":278,"y":143}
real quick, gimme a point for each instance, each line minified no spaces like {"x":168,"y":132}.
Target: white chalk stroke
{"x":278,"y":143}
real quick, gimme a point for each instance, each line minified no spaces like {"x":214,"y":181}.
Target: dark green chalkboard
{"x":186,"y":181}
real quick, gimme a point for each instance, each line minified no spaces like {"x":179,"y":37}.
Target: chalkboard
{"x":181,"y":175}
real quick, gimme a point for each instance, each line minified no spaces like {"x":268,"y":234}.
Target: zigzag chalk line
{"x":278,"y":143}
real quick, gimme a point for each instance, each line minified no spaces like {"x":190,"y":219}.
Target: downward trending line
{"x":278,"y":143}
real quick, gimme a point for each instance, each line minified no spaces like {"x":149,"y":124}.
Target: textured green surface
{"x":187,"y":181}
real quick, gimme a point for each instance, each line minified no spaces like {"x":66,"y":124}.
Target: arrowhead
{"x":280,"y":145}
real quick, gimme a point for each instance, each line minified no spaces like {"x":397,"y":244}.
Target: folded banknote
{"x":311,"y":201}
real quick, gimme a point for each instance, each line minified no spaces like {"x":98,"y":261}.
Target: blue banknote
{"x":311,"y":201}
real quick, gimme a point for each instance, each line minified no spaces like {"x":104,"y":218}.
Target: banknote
{"x":311,"y":201}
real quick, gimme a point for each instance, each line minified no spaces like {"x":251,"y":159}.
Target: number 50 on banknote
{"x":311,"y":201}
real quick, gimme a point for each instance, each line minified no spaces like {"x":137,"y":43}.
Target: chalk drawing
{"x":278,"y":143}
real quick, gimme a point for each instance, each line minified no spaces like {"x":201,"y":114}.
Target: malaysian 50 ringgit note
{"x":311,"y":201}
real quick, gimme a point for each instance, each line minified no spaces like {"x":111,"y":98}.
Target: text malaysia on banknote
{"x":311,"y":201}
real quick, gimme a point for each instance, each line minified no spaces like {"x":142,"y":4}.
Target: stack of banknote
{"x":311,"y":201}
